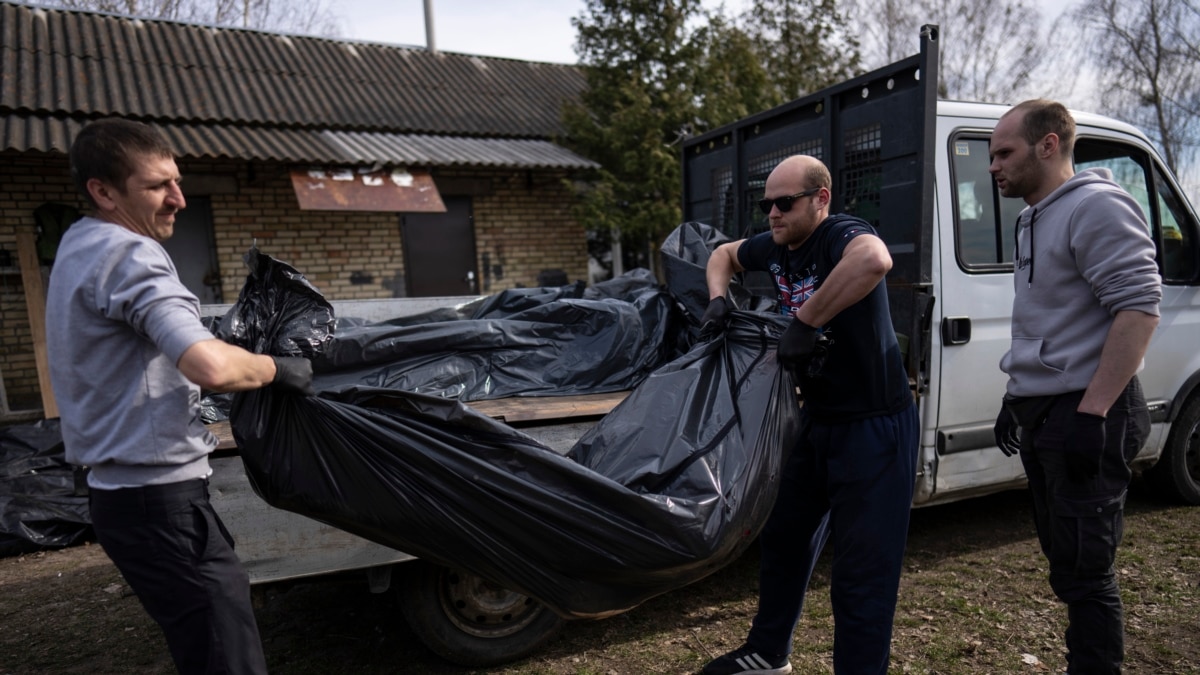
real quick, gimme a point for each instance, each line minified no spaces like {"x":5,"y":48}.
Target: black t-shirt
{"x":863,"y":375}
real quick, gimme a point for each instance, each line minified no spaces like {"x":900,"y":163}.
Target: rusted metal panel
{"x":347,"y":189}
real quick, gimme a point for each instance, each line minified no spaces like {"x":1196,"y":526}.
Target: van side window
{"x":984,"y":221}
{"x":1177,"y":234}
{"x":1128,"y":167}
{"x":1171,"y":226}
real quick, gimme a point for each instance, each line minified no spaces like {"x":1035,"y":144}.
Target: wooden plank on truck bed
{"x":508,"y":410}
{"x":540,"y":408}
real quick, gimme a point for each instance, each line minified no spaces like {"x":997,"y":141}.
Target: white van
{"x":973,"y":281}
{"x":917,"y":169}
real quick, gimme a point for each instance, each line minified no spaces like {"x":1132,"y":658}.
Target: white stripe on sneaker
{"x":753,"y":661}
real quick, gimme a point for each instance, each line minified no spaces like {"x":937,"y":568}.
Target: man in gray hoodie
{"x":1086,"y":306}
{"x":128,"y":357}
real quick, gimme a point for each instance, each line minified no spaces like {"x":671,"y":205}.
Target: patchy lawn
{"x":974,"y":599}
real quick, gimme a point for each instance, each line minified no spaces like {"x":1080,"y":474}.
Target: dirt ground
{"x":974,"y":599}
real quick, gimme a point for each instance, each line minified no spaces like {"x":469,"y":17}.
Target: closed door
{"x":194,"y":251}
{"x":439,"y":251}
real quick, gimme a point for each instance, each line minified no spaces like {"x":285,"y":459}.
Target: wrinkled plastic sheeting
{"x":43,"y":501}
{"x":519,"y":342}
{"x":685,"y":254}
{"x":278,"y":311}
{"x":667,"y":488}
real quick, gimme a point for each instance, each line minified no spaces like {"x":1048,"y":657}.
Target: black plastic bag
{"x":43,"y":499}
{"x":522,"y":342}
{"x":685,"y":254}
{"x":667,"y":488}
{"x":278,"y":311}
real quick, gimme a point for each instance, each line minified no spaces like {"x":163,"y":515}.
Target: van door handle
{"x":956,"y":330}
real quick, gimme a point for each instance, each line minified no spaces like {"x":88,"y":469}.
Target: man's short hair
{"x":108,"y":150}
{"x":1044,"y":117}
{"x":817,"y":175}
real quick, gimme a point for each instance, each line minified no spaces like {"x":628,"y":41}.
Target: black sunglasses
{"x":785,"y":203}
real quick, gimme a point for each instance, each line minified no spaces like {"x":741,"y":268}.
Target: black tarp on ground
{"x":43,"y":500}
{"x":667,"y":488}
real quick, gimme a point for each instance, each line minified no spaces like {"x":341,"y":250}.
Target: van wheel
{"x":470,"y":621}
{"x":1177,"y":472}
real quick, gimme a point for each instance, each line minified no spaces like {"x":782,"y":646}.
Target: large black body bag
{"x":670,"y":486}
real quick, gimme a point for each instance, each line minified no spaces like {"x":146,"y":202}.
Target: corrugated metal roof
{"x":81,"y":63}
{"x":51,"y":134}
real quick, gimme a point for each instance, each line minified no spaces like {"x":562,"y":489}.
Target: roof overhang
{"x":25,"y":132}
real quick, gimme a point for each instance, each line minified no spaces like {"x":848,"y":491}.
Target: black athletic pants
{"x":177,"y":556}
{"x":851,"y":483}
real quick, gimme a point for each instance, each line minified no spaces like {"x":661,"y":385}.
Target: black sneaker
{"x":746,"y":661}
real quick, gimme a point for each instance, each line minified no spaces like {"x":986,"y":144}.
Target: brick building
{"x":378,"y":171}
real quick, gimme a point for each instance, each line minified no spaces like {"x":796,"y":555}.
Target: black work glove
{"x":294,"y":374}
{"x":716,"y":316}
{"x":1084,"y":445}
{"x":1008,"y":432}
{"x":797,"y":346}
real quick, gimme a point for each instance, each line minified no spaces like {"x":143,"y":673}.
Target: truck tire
{"x":469,"y":621}
{"x":1177,"y":472}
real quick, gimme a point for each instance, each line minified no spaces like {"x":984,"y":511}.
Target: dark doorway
{"x":439,"y":250}
{"x":194,"y":251}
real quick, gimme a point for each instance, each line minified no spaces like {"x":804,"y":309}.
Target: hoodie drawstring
{"x":1017,"y":242}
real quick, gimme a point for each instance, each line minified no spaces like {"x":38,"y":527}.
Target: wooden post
{"x":35,"y":302}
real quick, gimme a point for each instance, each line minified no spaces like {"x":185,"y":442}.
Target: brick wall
{"x":26,"y":182}
{"x":525,"y":227}
{"x":522,"y":227}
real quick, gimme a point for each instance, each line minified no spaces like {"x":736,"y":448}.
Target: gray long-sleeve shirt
{"x":117,"y":322}
{"x":1084,"y":253}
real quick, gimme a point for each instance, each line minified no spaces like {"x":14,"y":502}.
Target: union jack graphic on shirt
{"x":793,"y":294}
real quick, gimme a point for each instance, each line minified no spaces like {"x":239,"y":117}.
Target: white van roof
{"x":993,"y":111}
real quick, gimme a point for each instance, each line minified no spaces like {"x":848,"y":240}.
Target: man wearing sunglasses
{"x":850,"y":475}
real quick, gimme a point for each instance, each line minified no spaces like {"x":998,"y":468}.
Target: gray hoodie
{"x":1083,"y":254}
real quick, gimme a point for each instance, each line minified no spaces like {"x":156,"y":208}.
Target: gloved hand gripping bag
{"x":685,"y":253}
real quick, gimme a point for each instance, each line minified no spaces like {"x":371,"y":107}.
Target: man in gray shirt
{"x":128,"y":358}
{"x":1087,"y":296}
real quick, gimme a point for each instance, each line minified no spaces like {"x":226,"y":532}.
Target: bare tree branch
{"x":1147,"y":56}
{"x":307,"y":17}
{"x":990,"y":49}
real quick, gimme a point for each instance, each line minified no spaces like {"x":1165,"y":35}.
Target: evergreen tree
{"x":732,"y":81}
{"x":661,"y":70}
{"x":805,"y":45}
{"x":640,"y":65}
